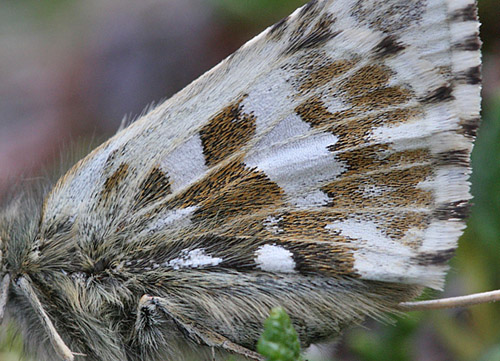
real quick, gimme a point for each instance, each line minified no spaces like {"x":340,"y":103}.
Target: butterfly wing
{"x":336,"y":142}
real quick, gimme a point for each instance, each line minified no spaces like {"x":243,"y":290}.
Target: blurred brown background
{"x":71,"y":70}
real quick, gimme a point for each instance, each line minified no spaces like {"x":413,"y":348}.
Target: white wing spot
{"x":273,"y":258}
{"x":378,"y":257}
{"x":272,"y":225}
{"x":299,"y":167}
{"x":177,"y":218}
{"x":185,"y":164}
{"x":195,"y":258}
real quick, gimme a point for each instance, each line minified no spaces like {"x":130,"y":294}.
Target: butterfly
{"x":322,"y":167}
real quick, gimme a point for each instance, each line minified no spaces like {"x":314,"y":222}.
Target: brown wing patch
{"x":394,"y":188}
{"x":308,"y":225}
{"x":287,"y":225}
{"x":324,"y":74}
{"x":368,"y":90}
{"x":226,"y":133}
{"x":334,"y":260}
{"x":229,"y":191}
{"x":357,"y":131}
{"x":367,"y":78}
{"x":312,"y":225}
{"x":351,"y":129}
{"x":398,"y":224}
{"x":113,"y":181}
{"x":381,"y":98}
{"x":154,"y":187}
{"x":379,"y":157}
{"x":315,"y":112}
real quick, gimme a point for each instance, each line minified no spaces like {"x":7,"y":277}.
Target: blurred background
{"x":71,"y":70}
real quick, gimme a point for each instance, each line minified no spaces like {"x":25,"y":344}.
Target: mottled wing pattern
{"x":335,"y":143}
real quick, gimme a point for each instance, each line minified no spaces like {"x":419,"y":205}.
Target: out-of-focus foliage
{"x":10,"y":345}
{"x":279,"y":341}
{"x":258,"y":12}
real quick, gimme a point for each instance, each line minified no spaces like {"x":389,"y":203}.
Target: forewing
{"x":336,"y":142}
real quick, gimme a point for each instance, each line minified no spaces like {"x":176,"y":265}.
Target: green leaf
{"x":279,"y":341}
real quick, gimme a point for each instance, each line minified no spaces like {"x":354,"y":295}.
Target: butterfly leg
{"x":151,"y":308}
